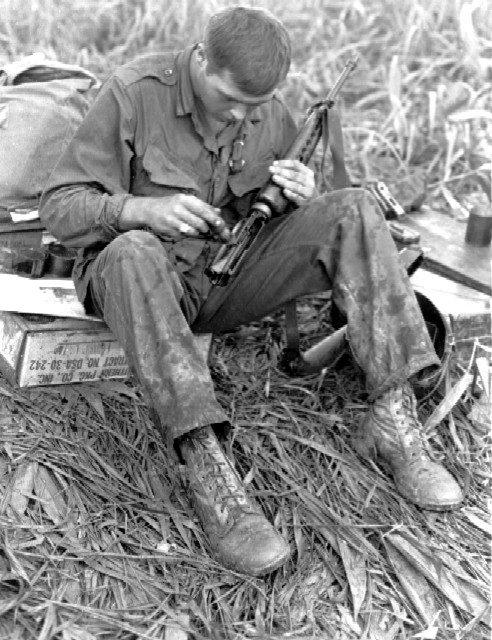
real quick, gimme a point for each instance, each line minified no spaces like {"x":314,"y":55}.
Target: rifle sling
{"x":332,"y":136}
{"x":335,"y":140}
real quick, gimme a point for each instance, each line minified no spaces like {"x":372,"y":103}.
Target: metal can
{"x":479,"y":226}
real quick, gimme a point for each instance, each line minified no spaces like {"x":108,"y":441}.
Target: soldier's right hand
{"x":177,"y":216}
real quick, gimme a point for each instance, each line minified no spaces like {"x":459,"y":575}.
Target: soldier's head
{"x":244,"y":56}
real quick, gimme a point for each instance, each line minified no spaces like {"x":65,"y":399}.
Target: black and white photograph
{"x":245,"y":319}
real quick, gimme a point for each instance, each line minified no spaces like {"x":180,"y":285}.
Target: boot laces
{"x":220,"y":481}
{"x":408,"y":425}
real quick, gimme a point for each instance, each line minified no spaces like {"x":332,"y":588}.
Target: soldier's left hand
{"x":296,"y":180}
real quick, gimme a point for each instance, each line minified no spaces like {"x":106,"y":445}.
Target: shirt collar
{"x":185,"y":103}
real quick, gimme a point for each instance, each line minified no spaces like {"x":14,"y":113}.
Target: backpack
{"x":42,"y":102}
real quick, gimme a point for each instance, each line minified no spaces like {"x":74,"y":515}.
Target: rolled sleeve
{"x":89,"y":186}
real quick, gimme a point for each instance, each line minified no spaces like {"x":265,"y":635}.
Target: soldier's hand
{"x":181,"y":215}
{"x":296,"y":180}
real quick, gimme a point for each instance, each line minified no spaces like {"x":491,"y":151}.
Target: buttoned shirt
{"x":144,"y":135}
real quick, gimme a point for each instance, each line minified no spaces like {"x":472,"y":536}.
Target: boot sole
{"x":271,"y":568}
{"x":256,"y":573}
{"x":452,"y":506}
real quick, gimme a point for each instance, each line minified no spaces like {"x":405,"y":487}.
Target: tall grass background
{"x":417,"y":108}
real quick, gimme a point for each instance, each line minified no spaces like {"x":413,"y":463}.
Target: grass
{"x":97,"y":539}
{"x":421,"y":63}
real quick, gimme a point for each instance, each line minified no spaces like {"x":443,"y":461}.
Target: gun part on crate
{"x":389,"y":205}
{"x":403,"y":234}
{"x":392,"y":210}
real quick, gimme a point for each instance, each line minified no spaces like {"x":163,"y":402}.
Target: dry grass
{"x":97,"y":539}
{"x":418,"y":107}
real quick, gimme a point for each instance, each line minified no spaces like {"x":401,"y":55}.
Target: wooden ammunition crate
{"x":21,"y":234}
{"x":468,"y":310}
{"x":44,"y":350}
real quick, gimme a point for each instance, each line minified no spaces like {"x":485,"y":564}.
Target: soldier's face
{"x":219,"y":95}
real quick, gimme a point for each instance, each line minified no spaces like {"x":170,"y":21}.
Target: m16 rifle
{"x":270,"y":201}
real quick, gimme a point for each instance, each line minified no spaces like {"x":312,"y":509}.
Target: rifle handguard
{"x":301,"y":149}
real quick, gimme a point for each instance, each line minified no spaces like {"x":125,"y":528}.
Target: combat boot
{"x":392,"y":430}
{"x":240,"y":536}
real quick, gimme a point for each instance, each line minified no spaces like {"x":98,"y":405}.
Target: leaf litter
{"x":98,"y":538}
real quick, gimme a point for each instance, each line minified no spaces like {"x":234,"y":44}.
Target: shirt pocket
{"x":253,"y":175}
{"x":165,"y":174}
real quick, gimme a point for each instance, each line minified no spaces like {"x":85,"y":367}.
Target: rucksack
{"x":42,"y":102}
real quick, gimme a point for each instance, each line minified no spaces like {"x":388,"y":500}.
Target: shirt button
{"x":168,"y":72}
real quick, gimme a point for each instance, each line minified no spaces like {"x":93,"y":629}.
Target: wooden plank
{"x":468,"y":309}
{"x":446,"y":253}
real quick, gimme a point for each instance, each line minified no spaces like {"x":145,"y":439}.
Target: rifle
{"x":270,"y":201}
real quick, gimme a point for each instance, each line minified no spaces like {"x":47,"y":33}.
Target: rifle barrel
{"x":348,"y":68}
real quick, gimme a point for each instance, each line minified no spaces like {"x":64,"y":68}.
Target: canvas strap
{"x":332,"y":138}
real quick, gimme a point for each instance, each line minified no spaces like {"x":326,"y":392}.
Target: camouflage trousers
{"x":338,"y":242}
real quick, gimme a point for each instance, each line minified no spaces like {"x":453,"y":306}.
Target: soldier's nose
{"x":239,"y":112}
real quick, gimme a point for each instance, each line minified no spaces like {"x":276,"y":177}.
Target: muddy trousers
{"x":338,"y":242}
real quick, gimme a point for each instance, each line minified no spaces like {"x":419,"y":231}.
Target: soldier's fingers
{"x":291,"y":174}
{"x":290,"y":168}
{"x":295,"y":186}
{"x":189,"y":224}
{"x":298,"y":173}
{"x":290,"y":163}
{"x":211,"y":215}
{"x":294,"y":197}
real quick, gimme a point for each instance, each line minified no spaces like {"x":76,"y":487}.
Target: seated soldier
{"x":146,"y":187}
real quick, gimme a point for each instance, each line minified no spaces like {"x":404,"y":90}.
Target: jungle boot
{"x":240,"y":536}
{"x":392,"y":431}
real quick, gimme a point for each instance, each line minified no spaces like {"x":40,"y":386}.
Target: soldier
{"x":169,"y":156}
